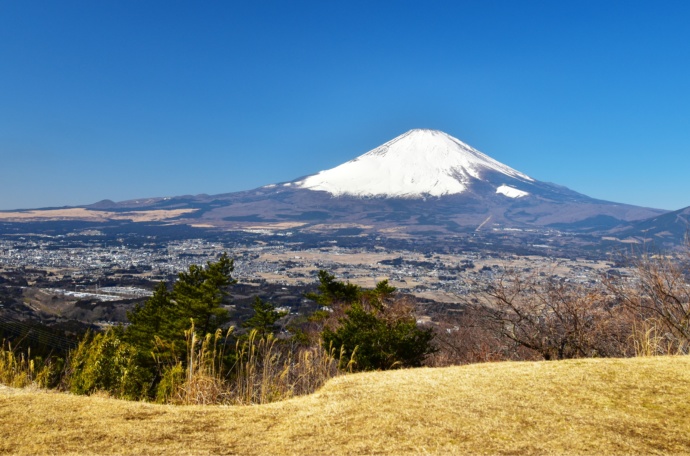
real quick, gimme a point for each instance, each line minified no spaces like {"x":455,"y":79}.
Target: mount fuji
{"x":421,"y":182}
{"x":417,"y":164}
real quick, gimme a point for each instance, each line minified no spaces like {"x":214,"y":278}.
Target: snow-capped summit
{"x":423,"y":185}
{"x":416,"y":164}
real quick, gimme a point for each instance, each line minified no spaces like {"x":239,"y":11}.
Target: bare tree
{"x":555,"y":318}
{"x":462,"y":337}
{"x":658,"y":295}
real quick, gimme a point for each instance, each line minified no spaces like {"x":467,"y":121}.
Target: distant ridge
{"x":420,"y":184}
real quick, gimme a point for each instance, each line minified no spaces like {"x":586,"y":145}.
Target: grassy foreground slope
{"x":638,"y":405}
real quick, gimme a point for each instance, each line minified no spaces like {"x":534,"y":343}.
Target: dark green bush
{"x":374,"y":327}
{"x":104,"y":362}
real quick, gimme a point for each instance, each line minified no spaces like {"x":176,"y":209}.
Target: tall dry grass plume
{"x":264,"y":370}
{"x":657,"y":297}
{"x":19,"y":370}
{"x":203,"y":379}
{"x":649,"y":339}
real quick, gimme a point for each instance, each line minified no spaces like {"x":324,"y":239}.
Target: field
{"x":593,"y":406}
{"x":86,"y":214}
{"x":364,"y":268}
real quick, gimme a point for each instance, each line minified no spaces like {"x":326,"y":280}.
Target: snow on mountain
{"x":511,"y":192}
{"x":416,"y":164}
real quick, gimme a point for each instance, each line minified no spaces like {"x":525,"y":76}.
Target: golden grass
{"x":86,"y":214}
{"x":593,"y":406}
{"x":263,"y":372}
{"x":18,"y":370}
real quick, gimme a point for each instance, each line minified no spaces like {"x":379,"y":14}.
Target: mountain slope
{"x":661,"y":230}
{"x":423,"y":181}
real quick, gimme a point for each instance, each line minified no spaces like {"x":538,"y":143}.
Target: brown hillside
{"x":595,"y":406}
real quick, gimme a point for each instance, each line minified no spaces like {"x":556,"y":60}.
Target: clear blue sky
{"x":132,"y":99}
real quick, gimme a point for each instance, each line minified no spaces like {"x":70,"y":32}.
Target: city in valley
{"x":80,"y":278}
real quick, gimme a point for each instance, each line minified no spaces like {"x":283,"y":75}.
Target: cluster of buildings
{"x":112,"y":262}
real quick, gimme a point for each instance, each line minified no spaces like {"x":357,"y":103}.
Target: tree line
{"x":535,"y":315}
{"x":179,"y":348}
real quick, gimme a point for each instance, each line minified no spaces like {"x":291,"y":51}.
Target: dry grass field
{"x":593,"y":406}
{"x":77,"y":213}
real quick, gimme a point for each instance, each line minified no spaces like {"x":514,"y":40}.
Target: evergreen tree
{"x":201,"y":293}
{"x":332,"y":291}
{"x":264,"y":318}
{"x":378,"y":329}
{"x":197,"y":295}
{"x":155,"y":317}
{"x":379,"y":343}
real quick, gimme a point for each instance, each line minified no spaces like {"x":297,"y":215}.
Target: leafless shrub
{"x":657,"y":296}
{"x":462,"y":337}
{"x":553,"y":318}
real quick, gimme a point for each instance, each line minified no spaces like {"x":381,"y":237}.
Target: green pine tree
{"x":198,"y":295}
{"x":155,"y":317}
{"x":331,"y":291}
{"x":201,"y":293}
{"x":264,"y":318}
{"x":378,"y":330}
